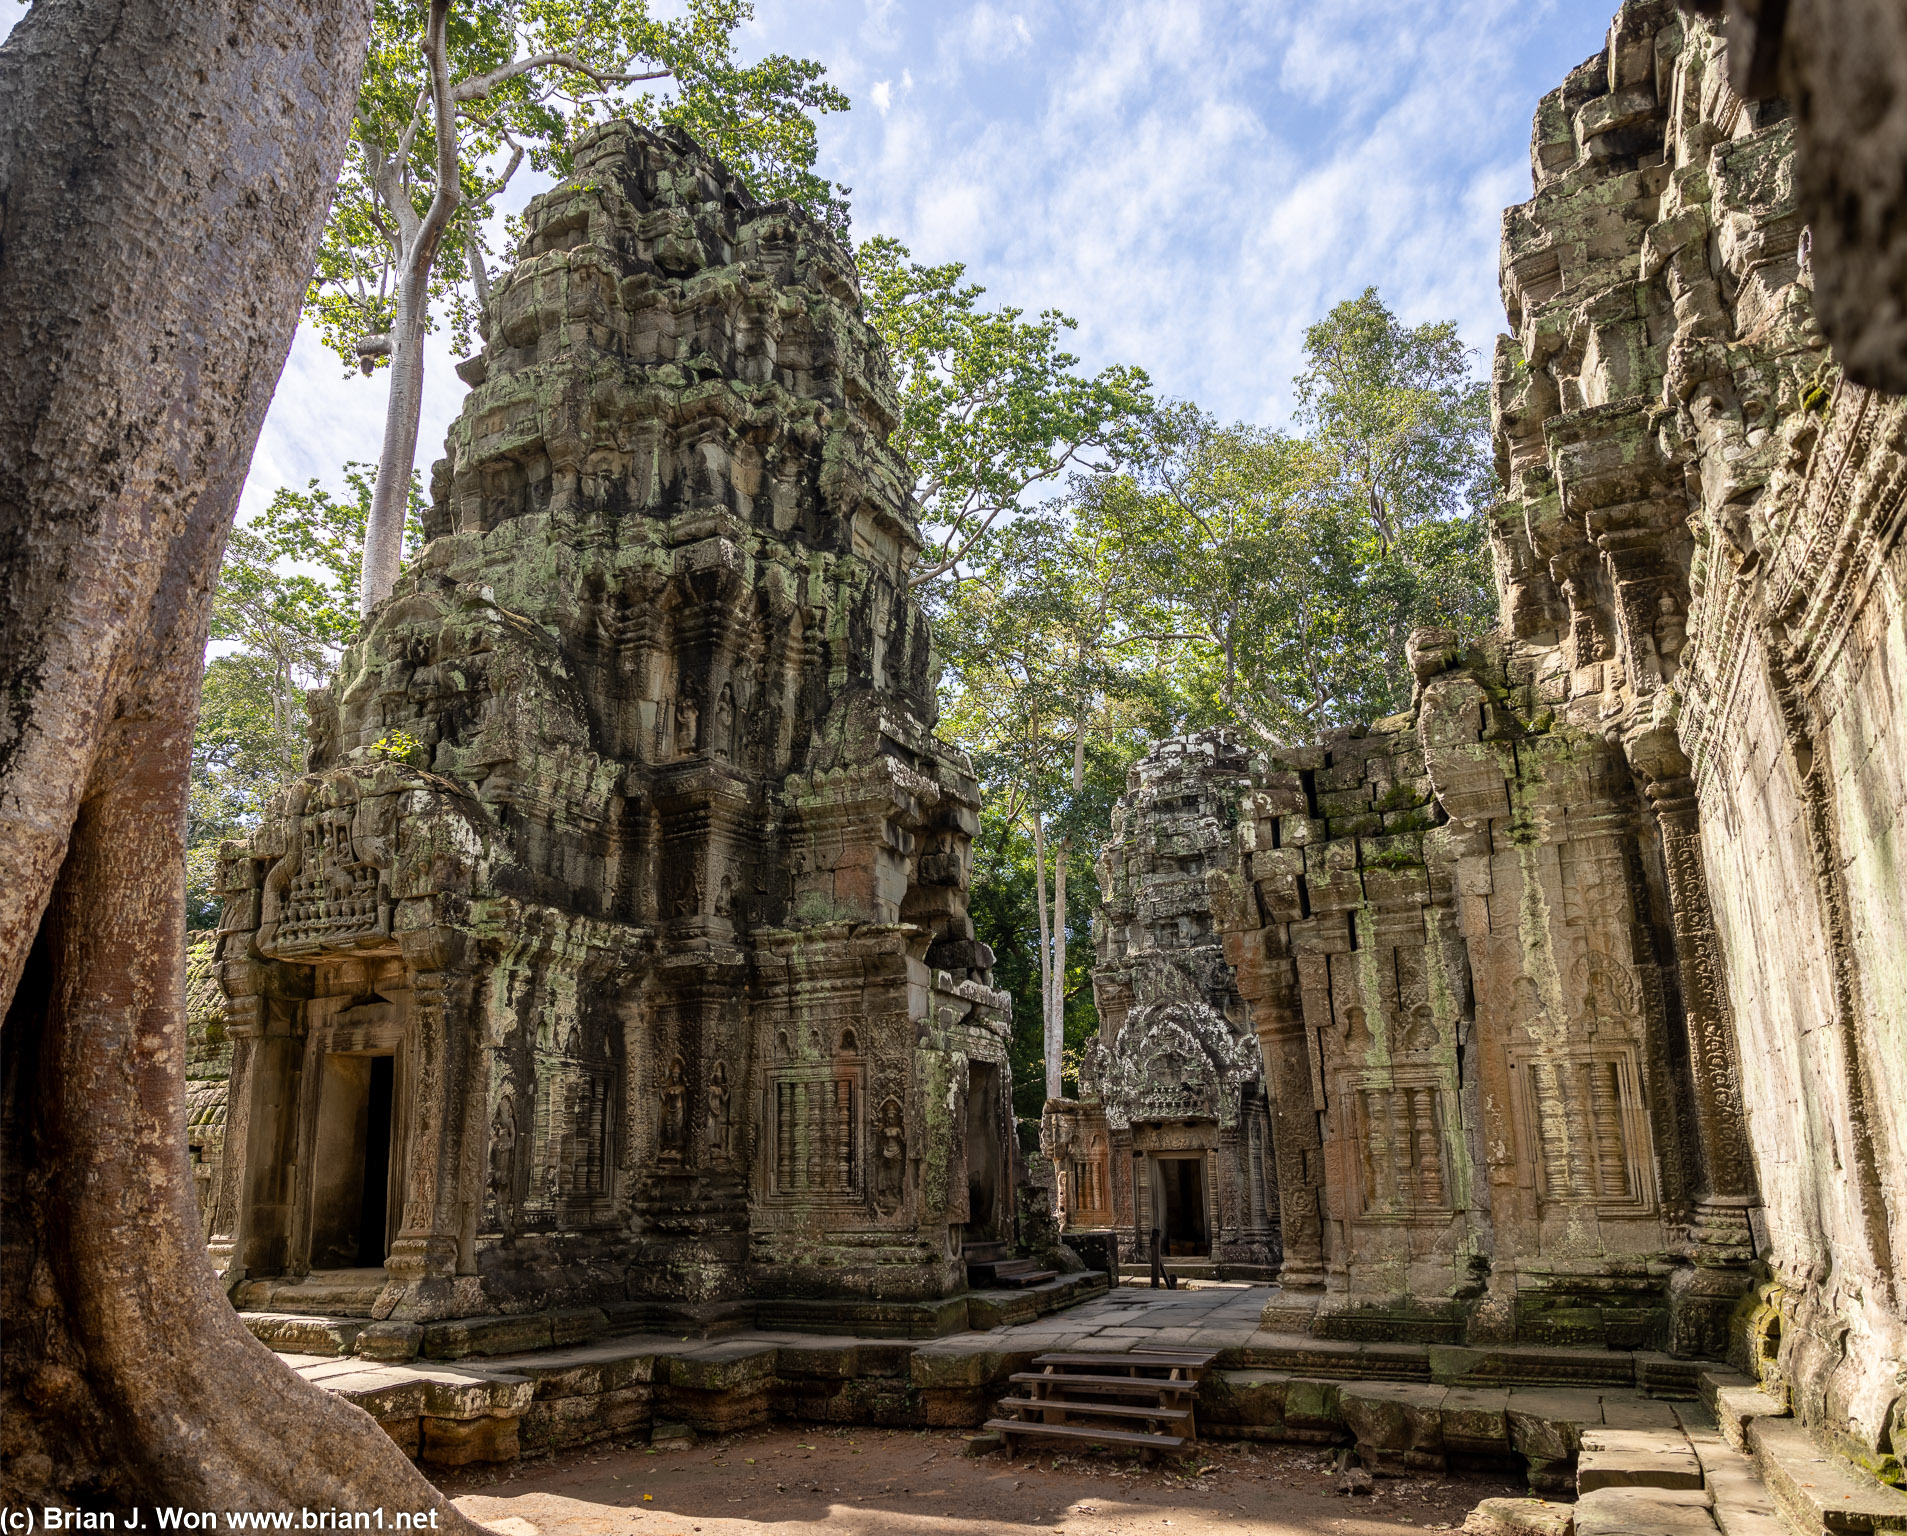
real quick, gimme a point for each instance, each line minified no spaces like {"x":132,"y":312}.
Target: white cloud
{"x":1194,"y":180}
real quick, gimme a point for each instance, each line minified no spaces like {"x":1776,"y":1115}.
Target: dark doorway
{"x":373,"y":1221}
{"x":1182,"y":1185}
{"x":985,"y":1150}
{"x":351,"y":1162}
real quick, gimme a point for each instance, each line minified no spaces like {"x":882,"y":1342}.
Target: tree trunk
{"x":391,"y":496}
{"x":1049,"y":1043}
{"x":1056,"y":1001}
{"x":164,"y":170}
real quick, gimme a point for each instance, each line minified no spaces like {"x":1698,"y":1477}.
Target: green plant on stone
{"x":400,"y":747}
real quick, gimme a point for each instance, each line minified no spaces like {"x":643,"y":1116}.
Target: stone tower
{"x":616,"y":944}
{"x":1171,"y":1130}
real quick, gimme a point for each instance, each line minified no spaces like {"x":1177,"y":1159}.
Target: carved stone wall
{"x":1448,"y":932}
{"x":1703,"y":559}
{"x":1172,"y":1105}
{"x":660,"y":933}
{"x":208,"y":1066}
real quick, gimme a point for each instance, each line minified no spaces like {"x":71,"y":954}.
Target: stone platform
{"x":1404,"y":1408}
{"x":276,"y":1317}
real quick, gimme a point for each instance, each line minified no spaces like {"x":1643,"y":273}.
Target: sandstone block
{"x":460,"y":1442}
{"x":1636,"y":1458}
{"x":292,"y":1334}
{"x":390,"y":1341}
{"x":487,"y":1336}
{"x":1815,"y":1490}
{"x":1644,"y":1512}
{"x":1520,"y":1517}
{"x":1398,"y":1425}
{"x":1313,"y":1404}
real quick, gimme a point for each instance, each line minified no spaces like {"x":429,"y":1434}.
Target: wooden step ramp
{"x":1138,"y":1400}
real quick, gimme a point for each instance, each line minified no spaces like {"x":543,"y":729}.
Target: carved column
{"x":1268,"y":987}
{"x":425,"y":1257}
{"x":1723,"y":1240}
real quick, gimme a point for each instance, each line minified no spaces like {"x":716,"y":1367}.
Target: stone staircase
{"x":1139,"y":1401}
{"x":1733,"y":1463}
{"x":991,"y":1266}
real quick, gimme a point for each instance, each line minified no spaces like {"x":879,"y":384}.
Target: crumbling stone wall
{"x":208,"y":1066}
{"x":1702,"y":541}
{"x":627,"y":846}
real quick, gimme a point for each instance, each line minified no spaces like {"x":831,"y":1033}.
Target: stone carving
{"x":718,"y":1135}
{"x":1174,"y":1060}
{"x":503,"y":1164}
{"x":1605,"y":921}
{"x":893,"y":1155}
{"x":208,"y":1065}
{"x":684,"y":819}
{"x":1171,"y":1077}
{"x":674,"y":1135}
{"x":1673,"y":421}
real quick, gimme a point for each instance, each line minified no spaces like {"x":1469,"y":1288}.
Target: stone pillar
{"x":1723,"y":1242}
{"x":1296,"y":1148}
{"x":437,"y":1122}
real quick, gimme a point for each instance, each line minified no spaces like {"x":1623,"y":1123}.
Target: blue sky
{"x":1193,"y":180}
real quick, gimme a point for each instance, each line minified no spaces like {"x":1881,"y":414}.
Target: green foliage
{"x":285,"y":607}
{"x":991,"y":404}
{"x":401,"y":747}
{"x":759,"y":118}
{"x":1399,"y":423}
{"x":1281,"y":574}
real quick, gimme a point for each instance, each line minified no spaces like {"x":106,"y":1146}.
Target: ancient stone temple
{"x":1580,"y":985}
{"x":616,"y":944}
{"x":1171,"y":1130}
{"x":1702,"y":564}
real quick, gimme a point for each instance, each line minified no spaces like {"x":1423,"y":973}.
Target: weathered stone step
{"x":1743,"y":1505}
{"x":1521,"y":1517}
{"x":1737,"y":1401}
{"x":1636,"y":1458}
{"x":1645,"y":1512}
{"x":1815,"y":1491}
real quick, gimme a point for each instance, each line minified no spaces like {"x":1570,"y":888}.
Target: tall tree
{"x":1284,"y":571}
{"x":454,"y":101}
{"x":1053,"y":700}
{"x":992,"y":405}
{"x":163,"y":175}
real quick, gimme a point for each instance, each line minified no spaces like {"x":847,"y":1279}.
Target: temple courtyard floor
{"x":872,"y":1482}
{"x":722,"y":1428}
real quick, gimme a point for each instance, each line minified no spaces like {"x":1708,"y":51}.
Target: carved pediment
{"x":1174,"y":1060}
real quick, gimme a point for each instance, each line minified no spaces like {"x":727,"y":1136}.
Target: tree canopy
{"x":992,"y":405}
{"x":283,"y":611}
{"x":526,"y":78}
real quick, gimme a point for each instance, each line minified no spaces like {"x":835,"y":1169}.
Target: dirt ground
{"x":898,"y":1482}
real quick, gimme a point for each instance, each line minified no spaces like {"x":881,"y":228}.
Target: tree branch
{"x":477,"y":87}
{"x":448,"y":192}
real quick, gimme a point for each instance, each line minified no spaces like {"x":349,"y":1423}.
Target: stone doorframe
{"x":344,"y":1027}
